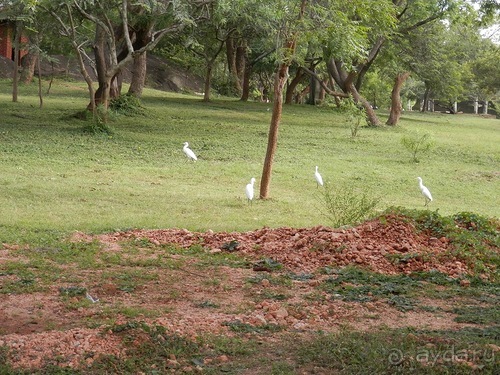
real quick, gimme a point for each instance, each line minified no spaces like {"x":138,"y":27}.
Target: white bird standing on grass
{"x":425,"y":192}
{"x":189,"y":153}
{"x":249,"y":190}
{"x":317,"y":176}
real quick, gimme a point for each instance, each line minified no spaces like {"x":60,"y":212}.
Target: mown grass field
{"x":56,"y":178}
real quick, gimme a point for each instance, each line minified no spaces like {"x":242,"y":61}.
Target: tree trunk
{"x":40,"y":96}
{"x":15,"y":77}
{"x":241,"y":53}
{"x":107,"y":77}
{"x":272,"y":142}
{"x":208,"y":82}
{"x":28,"y":63}
{"x":396,"y":105}
{"x":245,"y":88}
{"x":231,"y":55}
{"x":312,"y":90}
{"x":322,"y":92}
{"x":485,"y":107}
{"x":71,"y":30}
{"x":143,"y":36}
{"x":299,"y":75}
{"x":279,"y":84}
{"x":345,"y":81}
{"x":231,"y":63}
{"x":427,"y":94}
{"x":139,"y":71}
{"x":371,"y":117}
{"x":236,"y":56}
{"x":102,"y":92}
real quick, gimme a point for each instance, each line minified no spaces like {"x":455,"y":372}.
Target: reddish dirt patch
{"x":43,"y":327}
{"x":370,"y":245}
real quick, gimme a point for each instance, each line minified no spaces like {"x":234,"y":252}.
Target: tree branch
{"x":327,"y":89}
{"x":421,"y":23}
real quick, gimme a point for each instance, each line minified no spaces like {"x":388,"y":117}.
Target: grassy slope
{"x":57,"y":177}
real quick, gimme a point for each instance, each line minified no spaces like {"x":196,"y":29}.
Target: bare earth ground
{"x":194,"y":297}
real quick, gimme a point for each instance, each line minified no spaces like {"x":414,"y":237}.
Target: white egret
{"x":317,"y":176}
{"x":425,"y":192}
{"x":189,"y":153}
{"x":249,"y":190}
{"x":92,"y":299}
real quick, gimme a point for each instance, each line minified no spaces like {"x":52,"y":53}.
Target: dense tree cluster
{"x":281,"y":50}
{"x":357,"y":48}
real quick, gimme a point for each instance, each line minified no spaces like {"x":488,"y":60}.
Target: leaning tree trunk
{"x":371,"y":117}
{"x":279,"y":84}
{"x":345,"y":81}
{"x":272,"y":142}
{"x":396,"y":105}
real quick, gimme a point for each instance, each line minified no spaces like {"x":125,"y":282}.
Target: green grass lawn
{"x":55,"y":177}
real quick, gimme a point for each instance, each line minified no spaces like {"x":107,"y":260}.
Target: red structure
{"x":7,"y":31}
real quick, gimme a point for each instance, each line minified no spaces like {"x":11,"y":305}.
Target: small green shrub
{"x":99,"y":122}
{"x":128,"y":105}
{"x":473,"y":238}
{"x":353,"y":113}
{"x":417,"y":144}
{"x":475,"y":222}
{"x":345,"y":206}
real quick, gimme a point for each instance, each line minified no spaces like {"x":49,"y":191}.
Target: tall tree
{"x":288,"y":38}
{"x":114,"y":36}
{"x":251,"y":43}
{"x":352,"y":39}
{"x":208,"y":38}
{"x":396,"y":106}
{"x":367,"y":27}
{"x":68,"y":28}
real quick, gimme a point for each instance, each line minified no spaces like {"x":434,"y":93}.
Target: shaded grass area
{"x":398,"y":351}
